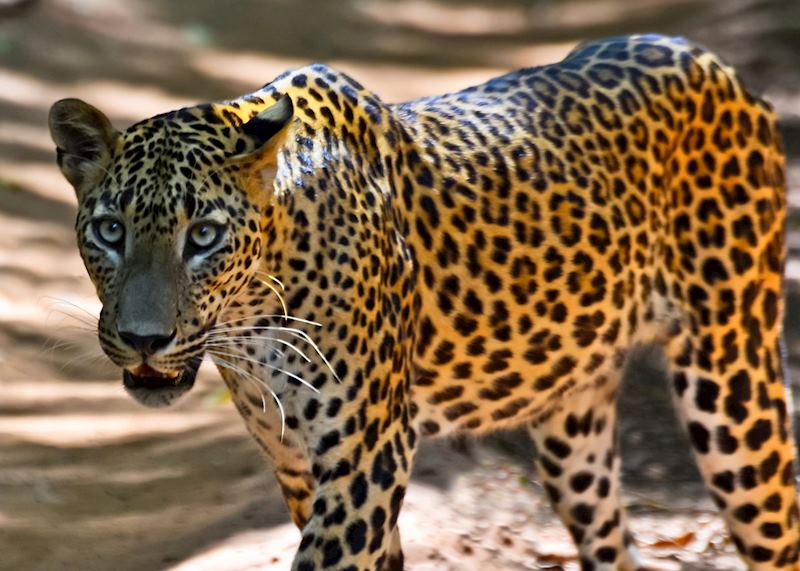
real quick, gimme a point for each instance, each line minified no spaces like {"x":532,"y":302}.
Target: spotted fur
{"x":471,"y":261}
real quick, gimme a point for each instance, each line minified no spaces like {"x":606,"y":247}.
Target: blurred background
{"x":91,"y":481}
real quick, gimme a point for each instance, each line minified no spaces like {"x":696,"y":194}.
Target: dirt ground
{"x":91,"y":481}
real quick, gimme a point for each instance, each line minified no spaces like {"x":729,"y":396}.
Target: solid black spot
{"x":465,"y":325}
{"x":425,"y":178}
{"x":726,"y":443}
{"x":606,"y":554}
{"x":771,"y":530}
{"x":395,"y":502}
{"x":429,"y":428}
{"x":328,"y":441}
{"x":770,"y":308}
{"x":603,"y":487}
{"x":359,"y":490}
{"x":699,"y":436}
{"x":680,"y":382}
{"x":581,"y":481}
{"x":552,"y":493}
{"x":714,"y":271}
{"x":747,"y":477}
{"x":583,"y":513}
{"x":559,"y":313}
{"x":761,"y":554}
{"x":356,"y":536}
{"x":458,"y":410}
{"x":746,"y":513}
{"x":740,"y":393}
{"x":724,"y":481}
{"x":311,"y":409}
{"x":552,"y":469}
{"x":769,"y":467}
{"x":430,"y":208}
{"x":706,"y":395}
{"x":773,"y":503}
{"x":742,"y":260}
{"x":371,"y":435}
{"x":334,"y":406}
{"x":473,"y":303}
{"x":758,"y":434}
{"x":563,"y":366}
{"x":384,"y":467}
{"x":558,"y":447}
{"x":320,"y":506}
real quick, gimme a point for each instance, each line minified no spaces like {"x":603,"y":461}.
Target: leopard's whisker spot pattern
{"x":255,"y":340}
{"x":258,"y":383}
{"x":221,"y":324}
{"x":234,"y":356}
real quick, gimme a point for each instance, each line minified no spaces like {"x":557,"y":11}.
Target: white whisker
{"x":273,"y":278}
{"x":277,"y":281}
{"x":264,"y":315}
{"x":92,"y":355}
{"x":253,"y":379}
{"x":295,"y":332}
{"x":246,"y":340}
{"x":271,"y":367}
{"x":277,"y":293}
{"x":59,"y":300}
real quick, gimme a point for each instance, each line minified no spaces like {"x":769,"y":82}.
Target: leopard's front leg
{"x":360,"y":448}
{"x":347,"y":505}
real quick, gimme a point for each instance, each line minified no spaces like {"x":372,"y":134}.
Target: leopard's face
{"x":170,"y":233}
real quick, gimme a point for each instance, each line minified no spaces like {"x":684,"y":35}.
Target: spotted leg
{"x":578,"y":463}
{"x":361,"y":482}
{"x":288,"y":459}
{"x":285,"y":455}
{"x":297,"y":484}
{"x":730,"y":395}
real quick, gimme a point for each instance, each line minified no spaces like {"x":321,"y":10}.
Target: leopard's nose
{"x":146,"y":344}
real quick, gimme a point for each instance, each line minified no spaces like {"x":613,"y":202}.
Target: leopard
{"x":364,"y":275}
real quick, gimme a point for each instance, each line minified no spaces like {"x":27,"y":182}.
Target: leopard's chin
{"x":154,"y":389}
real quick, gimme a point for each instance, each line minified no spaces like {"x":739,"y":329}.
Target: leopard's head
{"x":170,"y":227}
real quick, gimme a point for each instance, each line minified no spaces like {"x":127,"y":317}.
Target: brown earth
{"x":90,"y":481}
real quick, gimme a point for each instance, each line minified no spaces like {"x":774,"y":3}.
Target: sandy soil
{"x":91,"y":481}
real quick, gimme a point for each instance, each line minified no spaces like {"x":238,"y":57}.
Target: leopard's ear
{"x":254,"y":136}
{"x":84,"y":140}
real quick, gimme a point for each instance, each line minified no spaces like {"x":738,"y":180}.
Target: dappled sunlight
{"x":461,"y":20}
{"x":84,"y":429}
{"x":248,"y":550}
{"x":48,"y":393}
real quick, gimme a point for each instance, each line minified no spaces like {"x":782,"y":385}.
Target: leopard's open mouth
{"x":156,"y":389}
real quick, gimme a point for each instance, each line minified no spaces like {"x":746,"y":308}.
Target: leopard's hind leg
{"x":578,"y":462}
{"x":722,"y":275}
{"x":729,"y":387}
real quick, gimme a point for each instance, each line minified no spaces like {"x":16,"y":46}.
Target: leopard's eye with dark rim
{"x":202,"y":237}
{"x":110,"y":232}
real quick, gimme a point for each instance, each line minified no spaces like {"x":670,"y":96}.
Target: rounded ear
{"x":84,"y":140}
{"x":254,"y":135}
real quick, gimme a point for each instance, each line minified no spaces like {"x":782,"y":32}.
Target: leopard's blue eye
{"x":202,"y":237}
{"x":109,"y":231}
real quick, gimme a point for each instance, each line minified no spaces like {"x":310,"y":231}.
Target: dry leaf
{"x":679,"y":541}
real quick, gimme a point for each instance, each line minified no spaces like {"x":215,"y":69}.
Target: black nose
{"x":146,"y":344}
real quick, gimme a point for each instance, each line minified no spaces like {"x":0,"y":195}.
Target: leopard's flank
{"x":366,"y":274}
